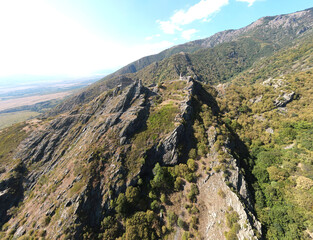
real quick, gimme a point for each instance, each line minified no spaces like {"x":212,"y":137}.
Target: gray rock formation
{"x":282,"y":100}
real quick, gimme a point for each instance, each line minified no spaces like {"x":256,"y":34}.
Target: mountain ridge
{"x":213,"y":144}
{"x":209,"y":42}
{"x":116,"y":78}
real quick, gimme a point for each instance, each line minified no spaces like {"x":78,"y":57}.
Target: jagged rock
{"x":282,"y":100}
{"x":212,"y":134}
{"x":290,"y":146}
{"x":270,"y":130}
{"x":169,"y":146}
{"x":20,"y":232}
{"x":256,"y":99}
{"x":275,"y":83}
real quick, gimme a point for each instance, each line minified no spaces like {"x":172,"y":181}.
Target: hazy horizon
{"x":44,"y":41}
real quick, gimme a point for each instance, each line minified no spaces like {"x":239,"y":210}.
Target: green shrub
{"x":47,"y":220}
{"x":163,"y":198}
{"x":194,"y":191}
{"x":171,"y":219}
{"x":132,"y":194}
{"x":192,"y":153}
{"x":186,"y":236}
{"x":155,"y":205}
{"x":191,"y":165}
{"x":121,"y":204}
{"x":231,"y":218}
{"x":194,"y":210}
{"x":190,"y":177}
{"x":142,"y":226}
{"x":221,"y":193}
{"x":110,"y":228}
{"x":181,"y":223}
{"x":178,"y":184}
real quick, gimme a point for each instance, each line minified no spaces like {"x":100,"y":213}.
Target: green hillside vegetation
{"x":216,"y":65}
{"x":10,"y":138}
{"x":282,"y":161}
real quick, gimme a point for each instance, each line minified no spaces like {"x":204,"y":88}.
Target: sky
{"x":45,"y":39}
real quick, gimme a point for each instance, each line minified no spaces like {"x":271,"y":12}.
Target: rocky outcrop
{"x":284,"y":99}
{"x":114,"y":115}
{"x":226,"y":189}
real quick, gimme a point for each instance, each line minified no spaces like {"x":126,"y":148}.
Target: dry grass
{"x":8,"y":119}
{"x":18,"y":102}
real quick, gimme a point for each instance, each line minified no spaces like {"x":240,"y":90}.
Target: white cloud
{"x":248,"y":1}
{"x":36,"y":39}
{"x":151,"y":37}
{"x":168,"y":27}
{"x":187,"y":33}
{"x":199,"y":11}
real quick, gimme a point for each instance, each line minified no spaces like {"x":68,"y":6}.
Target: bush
{"x":155,"y":205}
{"x":190,"y":177}
{"x":178,"y":184}
{"x":192,"y":153}
{"x":121,"y":204}
{"x":231,"y":218}
{"x":277,"y":174}
{"x":194,"y":210}
{"x":171,"y":218}
{"x":132,"y":194}
{"x":221,"y":193}
{"x":110,"y":228}
{"x":142,"y":226}
{"x":202,"y":149}
{"x":231,"y":235}
{"x":186,"y":236}
{"x":191,"y":165}
{"x":163,"y":198}
{"x":194,"y":221}
{"x":181,"y":223}
{"x":47,"y":220}
{"x":194,"y":191}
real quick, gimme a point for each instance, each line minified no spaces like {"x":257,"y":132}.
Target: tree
{"x":121,"y":204}
{"x":143,"y":226}
{"x":132,"y":194}
{"x":162,"y":179}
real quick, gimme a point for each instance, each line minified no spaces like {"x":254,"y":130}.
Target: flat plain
{"x":24,"y":101}
{"x":8,"y":119}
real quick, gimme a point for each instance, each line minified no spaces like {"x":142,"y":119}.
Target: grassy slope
{"x":8,"y":119}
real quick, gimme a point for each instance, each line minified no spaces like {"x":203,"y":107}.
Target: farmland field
{"x":8,"y":119}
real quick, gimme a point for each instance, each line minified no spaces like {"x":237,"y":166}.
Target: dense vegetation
{"x":279,"y":139}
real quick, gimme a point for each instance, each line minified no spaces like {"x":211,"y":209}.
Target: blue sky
{"x":44,"y":38}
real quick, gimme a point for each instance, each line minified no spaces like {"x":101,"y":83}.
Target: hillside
{"x":216,"y":55}
{"x":207,"y":140}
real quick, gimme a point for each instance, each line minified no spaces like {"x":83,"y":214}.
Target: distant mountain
{"x":278,"y":30}
{"x":261,"y":38}
{"x":211,"y":139}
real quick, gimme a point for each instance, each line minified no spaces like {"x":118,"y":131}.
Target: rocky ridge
{"x":108,"y":122}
